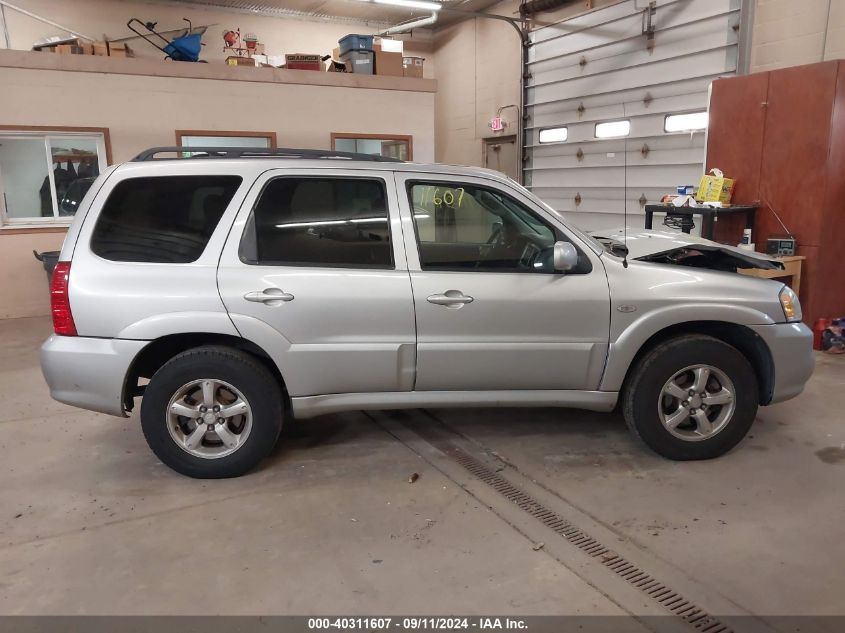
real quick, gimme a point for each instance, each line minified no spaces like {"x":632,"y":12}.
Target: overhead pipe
{"x":520,"y":25}
{"x":34,"y":16}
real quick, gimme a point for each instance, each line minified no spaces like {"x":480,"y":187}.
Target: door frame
{"x":487,"y":141}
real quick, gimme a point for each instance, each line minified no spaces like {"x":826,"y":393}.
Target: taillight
{"x":60,"y":301}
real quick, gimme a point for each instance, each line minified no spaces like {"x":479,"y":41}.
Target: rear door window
{"x":164,"y":219}
{"x":332,"y":222}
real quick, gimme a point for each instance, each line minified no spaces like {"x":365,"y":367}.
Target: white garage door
{"x":601,"y":74}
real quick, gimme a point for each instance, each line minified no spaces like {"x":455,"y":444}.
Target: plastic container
{"x":361,"y":62}
{"x":354,"y":42}
{"x":48,"y":259}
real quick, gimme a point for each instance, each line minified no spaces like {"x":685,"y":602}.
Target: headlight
{"x":790,"y":304}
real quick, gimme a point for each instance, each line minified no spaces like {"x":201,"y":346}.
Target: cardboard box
{"x":413,"y":66}
{"x":304,"y":61}
{"x":391,"y":46}
{"x":118,"y":50}
{"x":234,"y":60}
{"x":389,"y":64}
{"x":70,"y":49}
{"x":101,"y":49}
{"x":715,"y":188}
{"x":336,"y":64}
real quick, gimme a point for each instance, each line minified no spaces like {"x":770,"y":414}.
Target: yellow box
{"x":715,"y":188}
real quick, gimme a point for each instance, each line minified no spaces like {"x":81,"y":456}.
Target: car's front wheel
{"x":212,"y":412}
{"x":691,"y":397}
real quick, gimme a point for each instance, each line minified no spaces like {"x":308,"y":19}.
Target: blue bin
{"x":360,"y":62}
{"x":354,"y":42}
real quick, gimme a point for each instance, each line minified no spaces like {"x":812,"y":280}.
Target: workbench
{"x":708,"y":216}
{"x":791,"y":269}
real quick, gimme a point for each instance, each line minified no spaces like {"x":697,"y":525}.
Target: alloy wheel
{"x":697,"y":402}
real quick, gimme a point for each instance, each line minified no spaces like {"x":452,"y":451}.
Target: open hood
{"x":682,"y":249}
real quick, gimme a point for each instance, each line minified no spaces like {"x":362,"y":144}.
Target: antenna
{"x":625,"y":197}
{"x":788,"y":232}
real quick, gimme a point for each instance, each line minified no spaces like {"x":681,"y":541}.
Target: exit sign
{"x":496,"y":124}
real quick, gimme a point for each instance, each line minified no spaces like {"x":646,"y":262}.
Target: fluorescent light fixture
{"x":411,"y":4}
{"x":554,"y":135}
{"x":611,"y":129}
{"x":688,"y":122}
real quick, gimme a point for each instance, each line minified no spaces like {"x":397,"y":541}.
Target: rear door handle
{"x":450,"y":299}
{"x":269,"y":296}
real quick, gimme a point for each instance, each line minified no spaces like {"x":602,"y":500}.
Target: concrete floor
{"x":92,"y":523}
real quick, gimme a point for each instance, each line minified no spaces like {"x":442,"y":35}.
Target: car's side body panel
{"x":789,"y":344}
{"x":647,"y":298}
{"x":522,"y":330}
{"x":109,"y":298}
{"x":88,"y":373}
{"x":310,"y":406}
{"x":344,"y":329}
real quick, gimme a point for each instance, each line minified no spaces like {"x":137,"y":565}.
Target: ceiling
{"x":353,"y":11}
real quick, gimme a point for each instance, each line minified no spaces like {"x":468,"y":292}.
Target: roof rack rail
{"x":192,"y":153}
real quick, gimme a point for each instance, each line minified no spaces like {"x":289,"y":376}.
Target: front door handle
{"x":450,"y":299}
{"x":269,"y":296}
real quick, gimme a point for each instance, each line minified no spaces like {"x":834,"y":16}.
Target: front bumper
{"x":791,"y":346}
{"x":88,"y":373}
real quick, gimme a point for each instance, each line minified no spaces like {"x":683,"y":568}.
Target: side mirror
{"x":565,"y":257}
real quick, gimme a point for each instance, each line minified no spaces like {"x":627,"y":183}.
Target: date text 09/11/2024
{"x":417,"y":623}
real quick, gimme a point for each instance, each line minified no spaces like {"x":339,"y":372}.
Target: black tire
{"x":242,"y":371}
{"x":642,"y":395}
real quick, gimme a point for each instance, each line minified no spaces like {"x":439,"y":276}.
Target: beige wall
{"x":479,"y":66}
{"x":96,"y":18}
{"x":790,"y":33}
{"x":478,"y":71}
{"x":144,"y":111}
{"x":23,"y":282}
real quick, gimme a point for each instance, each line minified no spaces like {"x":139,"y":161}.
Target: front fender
{"x":630,"y":336}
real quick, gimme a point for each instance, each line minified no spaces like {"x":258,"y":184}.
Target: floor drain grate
{"x":654,"y":589}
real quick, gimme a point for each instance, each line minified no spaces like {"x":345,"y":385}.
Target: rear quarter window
{"x":163,"y":219}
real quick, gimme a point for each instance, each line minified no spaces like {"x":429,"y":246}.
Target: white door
{"x":314,"y":271}
{"x":491,"y":313}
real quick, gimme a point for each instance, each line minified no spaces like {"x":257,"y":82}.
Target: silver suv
{"x":233,"y":289}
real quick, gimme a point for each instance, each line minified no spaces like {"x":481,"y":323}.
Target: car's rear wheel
{"x":691,"y":397}
{"x":212,"y":412}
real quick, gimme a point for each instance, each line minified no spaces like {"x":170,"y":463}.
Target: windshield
{"x":597,"y":246}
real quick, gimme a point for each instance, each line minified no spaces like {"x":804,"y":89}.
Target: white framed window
{"x":685,"y":122}
{"x":554,"y":134}
{"x":44,"y":174}
{"x":613,"y":129}
{"x":225,"y":138}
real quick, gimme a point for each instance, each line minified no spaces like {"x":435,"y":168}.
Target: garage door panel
{"x":631,"y":53}
{"x":641,"y":127}
{"x":679,"y":141}
{"x":664,"y":106}
{"x":669,"y":12}
{"x":697,"y":65}
{"x":666,"y":176}
{"x":687,"y":156}
{"x":667,"y":36}
{"x":696,"y":86}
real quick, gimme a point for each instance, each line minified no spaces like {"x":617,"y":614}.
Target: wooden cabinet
{"x":781,"y":135}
